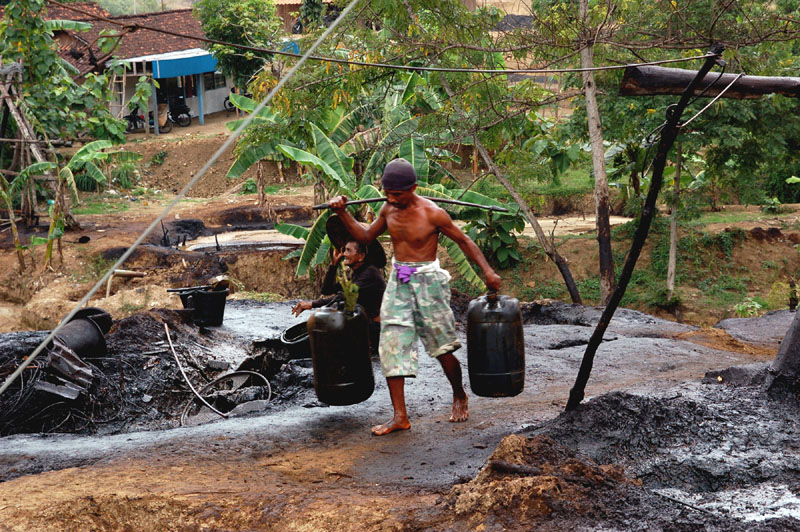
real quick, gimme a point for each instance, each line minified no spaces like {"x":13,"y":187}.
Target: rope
{"x":133,"y":27}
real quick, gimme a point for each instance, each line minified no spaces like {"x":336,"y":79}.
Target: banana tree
{"x":259,"y":143}
{"x":89,"y":159}
{"x":332,"y":162}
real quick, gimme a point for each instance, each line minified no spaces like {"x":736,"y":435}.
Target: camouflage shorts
{"x":418,"y":309}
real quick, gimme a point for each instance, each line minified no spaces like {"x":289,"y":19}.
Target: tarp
{"x":183,"y":63}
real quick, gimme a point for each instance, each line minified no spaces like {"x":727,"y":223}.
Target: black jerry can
{"x":495,"y":346}
{"x":340,"y":356}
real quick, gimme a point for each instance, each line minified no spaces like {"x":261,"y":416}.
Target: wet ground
{"x":689,"y":456}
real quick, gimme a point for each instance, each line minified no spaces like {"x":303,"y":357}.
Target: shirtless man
{"x":416,"y":303}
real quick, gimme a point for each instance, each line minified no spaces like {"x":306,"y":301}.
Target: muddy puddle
{"x":653,"y":447}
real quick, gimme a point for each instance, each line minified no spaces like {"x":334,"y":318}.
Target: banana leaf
{"x":124,"y":156}
{"x":89,"y":149}
{"x":443,"y":155}
{"x":309,"y":159}
{"x":387,"y":147}
{"x":94,"y":172}
{"x":413,"y":150}
{"x":66,"y":25}
{"x":31,"y":170}
{"x":244,"y":103}
{"x":322,"y":253}
{"x":293,"y":230}
{"x":249,"y":157}
{"x":343,"y":125}
{"x":436,"y":170}
{"x":329,"y":152}
{"x":476,"y":197}
{"x":66,"y":175}
{"x":368,"y":192}
{"x":462,"y":263}
{"x":293,"y":254}
{"x":314,"y":240}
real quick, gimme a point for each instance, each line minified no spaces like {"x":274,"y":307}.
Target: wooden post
{"x":651,"y":80}
{"x":668,"y":135}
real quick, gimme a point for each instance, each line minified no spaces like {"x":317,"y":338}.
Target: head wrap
{"x":399,"y":174}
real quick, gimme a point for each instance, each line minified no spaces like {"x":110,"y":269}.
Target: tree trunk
{"x":668,"y":135}
{"x":548,"y":246}
{"x":607,"y":278}
{"x":673,"y":226}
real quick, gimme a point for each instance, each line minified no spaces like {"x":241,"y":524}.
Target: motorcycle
{"x":179,"y":112}
{"x":136,"y":122}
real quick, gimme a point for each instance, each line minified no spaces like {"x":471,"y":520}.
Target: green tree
{"x":244,"y":22}
{"x":55,"y":103}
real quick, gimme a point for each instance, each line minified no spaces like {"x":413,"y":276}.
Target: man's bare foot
{"x":460,"y":410}
{"x":391,"y":426}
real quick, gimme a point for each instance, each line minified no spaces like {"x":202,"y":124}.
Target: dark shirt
{"x":370,"y":289}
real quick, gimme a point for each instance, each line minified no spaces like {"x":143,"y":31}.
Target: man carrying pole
{"x":416,"y":303}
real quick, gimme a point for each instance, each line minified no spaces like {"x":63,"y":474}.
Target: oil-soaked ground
{"x":652,"y":447}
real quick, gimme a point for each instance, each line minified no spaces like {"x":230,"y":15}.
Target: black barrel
{"x":495,"y":346}
{"x":340,"y":356}
{"x":208,"y":306}
{"x":84,"y":337}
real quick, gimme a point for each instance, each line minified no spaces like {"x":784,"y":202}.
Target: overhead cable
{"x":413,"y":68}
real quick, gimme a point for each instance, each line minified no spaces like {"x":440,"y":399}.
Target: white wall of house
{"x":213,"y":98}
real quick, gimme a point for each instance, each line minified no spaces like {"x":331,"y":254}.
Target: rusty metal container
{"x":495,"y":346}
{"x":340,"y":355}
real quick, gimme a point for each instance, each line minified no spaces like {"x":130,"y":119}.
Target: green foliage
{"x":311,"y":13}
{"x":125,"y":175}
{"x":747,"y":308}
{"x":249,"y":186}
{"x":349,"y":289}
{"x":773,"y":206}
{"x":246,"y":22}
{"x":495,"y":235}
{"x":56,"y":105}
{"x":158,"y":158}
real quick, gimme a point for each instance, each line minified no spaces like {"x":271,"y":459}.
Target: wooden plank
{"x":653,"y":80}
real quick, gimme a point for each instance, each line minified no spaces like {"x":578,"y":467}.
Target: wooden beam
{"x":652,"y":80}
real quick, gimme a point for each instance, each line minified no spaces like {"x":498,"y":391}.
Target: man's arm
{"x":362,"y":234}
{"x":471,"y":250}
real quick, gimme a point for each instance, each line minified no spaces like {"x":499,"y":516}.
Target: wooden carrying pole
{"x":494,"y":208}
{"x":651,"y":80}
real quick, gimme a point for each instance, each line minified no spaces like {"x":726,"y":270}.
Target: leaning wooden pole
{"x":668,"y":135}
{"x":547,"y":245}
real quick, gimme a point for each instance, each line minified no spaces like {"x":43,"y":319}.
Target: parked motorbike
{"x":179,"y":112}
{"x":166,"y":127}
{"x":135,"y":120}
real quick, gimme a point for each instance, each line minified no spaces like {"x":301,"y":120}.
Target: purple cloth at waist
{"x":404,"y":272}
